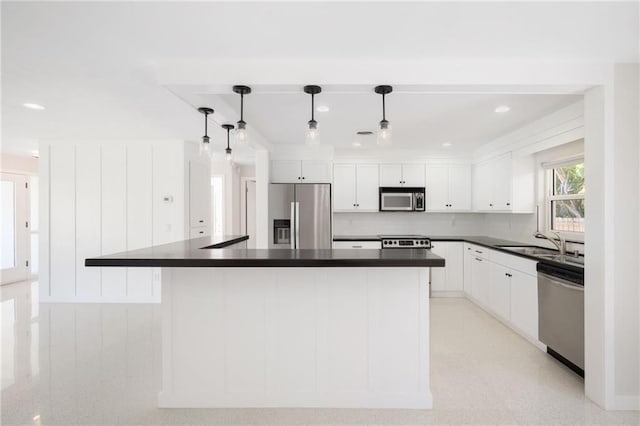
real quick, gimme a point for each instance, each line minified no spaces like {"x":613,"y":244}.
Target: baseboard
{"x":627,"y":403}
{"x":437,"y":294}
{"x":144,"y":300}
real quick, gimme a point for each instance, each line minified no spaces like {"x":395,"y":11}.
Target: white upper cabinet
{"x":355,"y":187}
{"x":448,"y":188}
{"x":300,"y":171}
{"x":344,"y":187}
{"x":391,"y":175}
{"x":367,"y":185}
{"x":411,"y":175}
{"x":505,"y":184}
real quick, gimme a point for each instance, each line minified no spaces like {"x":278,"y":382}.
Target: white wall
{"x":103,"y":197}
{"x":18,"y":164}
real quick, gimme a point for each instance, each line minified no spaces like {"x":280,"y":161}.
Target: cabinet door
{"x":437,"y":188}
{"x":499,"y":291}
{"x":199,"y":194}
{"x":439,"y":275}
{"x":413,"y":175}
{"x":286,"y":171}
{"x":390,"y":175}
{"x":454,"y":266}
{"x":367,"y":184}
{"x":468,"y":259}
{"x":344,"y":187}
{"x":483,"y":187}
{"x":524,"y":303}
{"x":502,"y":182}
{"x":460,"y":187}
{"x":480,"y":277}
{"x":316,"y":171}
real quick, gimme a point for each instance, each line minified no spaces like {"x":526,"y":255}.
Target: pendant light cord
{"x":206,"y":120}
{"x":228,"y":138}
{"x":241,"y":107}
{"x":384,"y":117}
{"x":312,"y":106}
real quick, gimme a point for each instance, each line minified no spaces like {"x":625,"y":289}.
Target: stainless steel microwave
{"x":398,"y":199}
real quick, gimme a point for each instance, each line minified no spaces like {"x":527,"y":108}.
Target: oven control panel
{"x":406,"y":243}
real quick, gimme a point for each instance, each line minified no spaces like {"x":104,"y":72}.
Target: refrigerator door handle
{"x":297,"y":225}
{"x":293,"y":233}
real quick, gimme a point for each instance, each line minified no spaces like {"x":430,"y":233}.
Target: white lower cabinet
{"x":500,"y":291}
{"x":357,"y":245}
{"x":504,"y":285}
{"x":480,"y":279}
{"x":524,"y":303}
{"x":450,"y":278}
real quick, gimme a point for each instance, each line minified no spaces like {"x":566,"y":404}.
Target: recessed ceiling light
{"x":447,"y":144}
{"x":33,"y":106}
{"x":322,"y":108}
{"x":503,"y":108}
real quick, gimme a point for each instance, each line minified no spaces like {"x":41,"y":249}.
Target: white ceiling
{"x":420,"y":121}
{"x":94,"y":65}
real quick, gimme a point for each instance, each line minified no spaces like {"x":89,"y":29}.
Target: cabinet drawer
{"x":198,"y":232}
{"x":357,"y":245}
{"x":478,"y":251}
{"x":518,"y":263}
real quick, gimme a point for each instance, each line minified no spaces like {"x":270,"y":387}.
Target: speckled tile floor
{"x":96,"y":364}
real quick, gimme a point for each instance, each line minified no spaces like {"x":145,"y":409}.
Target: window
{"x":565,"y":196}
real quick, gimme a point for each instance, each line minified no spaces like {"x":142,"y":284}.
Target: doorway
{"x":248,"y":209}
{"x":14,"y":227}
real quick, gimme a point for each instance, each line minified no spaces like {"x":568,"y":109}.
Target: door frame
{"x":20,"y":271}
{"x":243,"y":202}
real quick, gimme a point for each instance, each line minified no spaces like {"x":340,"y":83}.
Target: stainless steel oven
{"x":394,"y":199}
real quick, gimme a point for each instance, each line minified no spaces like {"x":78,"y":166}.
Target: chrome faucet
{"x":558,"y":241}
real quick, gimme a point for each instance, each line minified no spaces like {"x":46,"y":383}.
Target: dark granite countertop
{"x":199,"y":252}
{"x":481,"y":240}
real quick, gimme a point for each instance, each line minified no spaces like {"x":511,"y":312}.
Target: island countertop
{"x":206,"y":252}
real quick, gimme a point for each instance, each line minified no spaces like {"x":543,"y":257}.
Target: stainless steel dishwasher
{"x":561,"y":314}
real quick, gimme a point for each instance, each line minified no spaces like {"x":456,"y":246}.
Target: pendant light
{"x":204,"y":146}
{"x":242,"y":135}
{"x":384,"y":135}
{"x":227,"y":151}
{"x":313,"y":137}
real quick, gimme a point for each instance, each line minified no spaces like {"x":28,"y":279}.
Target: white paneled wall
{"x":106,"y":197}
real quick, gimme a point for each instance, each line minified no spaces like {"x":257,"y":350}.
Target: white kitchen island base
{"x":295,"y":337}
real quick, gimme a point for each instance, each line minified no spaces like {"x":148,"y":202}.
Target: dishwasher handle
{"x":566,"y":284}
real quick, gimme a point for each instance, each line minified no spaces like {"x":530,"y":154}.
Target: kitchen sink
{"x":544,"y":253}
{"x":576,"y":260}
{"x":531,"y":250}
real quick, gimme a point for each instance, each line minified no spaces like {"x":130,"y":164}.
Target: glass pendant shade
{"x":313,"y":135}
{"x":384,"y":134}
{"x":227,"y":151}
{"x":242,"y":135}
{"x":204,"y":146}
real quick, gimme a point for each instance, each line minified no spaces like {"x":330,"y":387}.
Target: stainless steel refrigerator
{"x":300,"y":216}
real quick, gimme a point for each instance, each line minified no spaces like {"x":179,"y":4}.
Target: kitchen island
{"x":291,"y":328}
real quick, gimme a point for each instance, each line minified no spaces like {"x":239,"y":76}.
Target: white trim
{"x":564,"y":162}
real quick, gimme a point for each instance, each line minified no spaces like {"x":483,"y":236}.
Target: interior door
{"x":14,"y":228}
